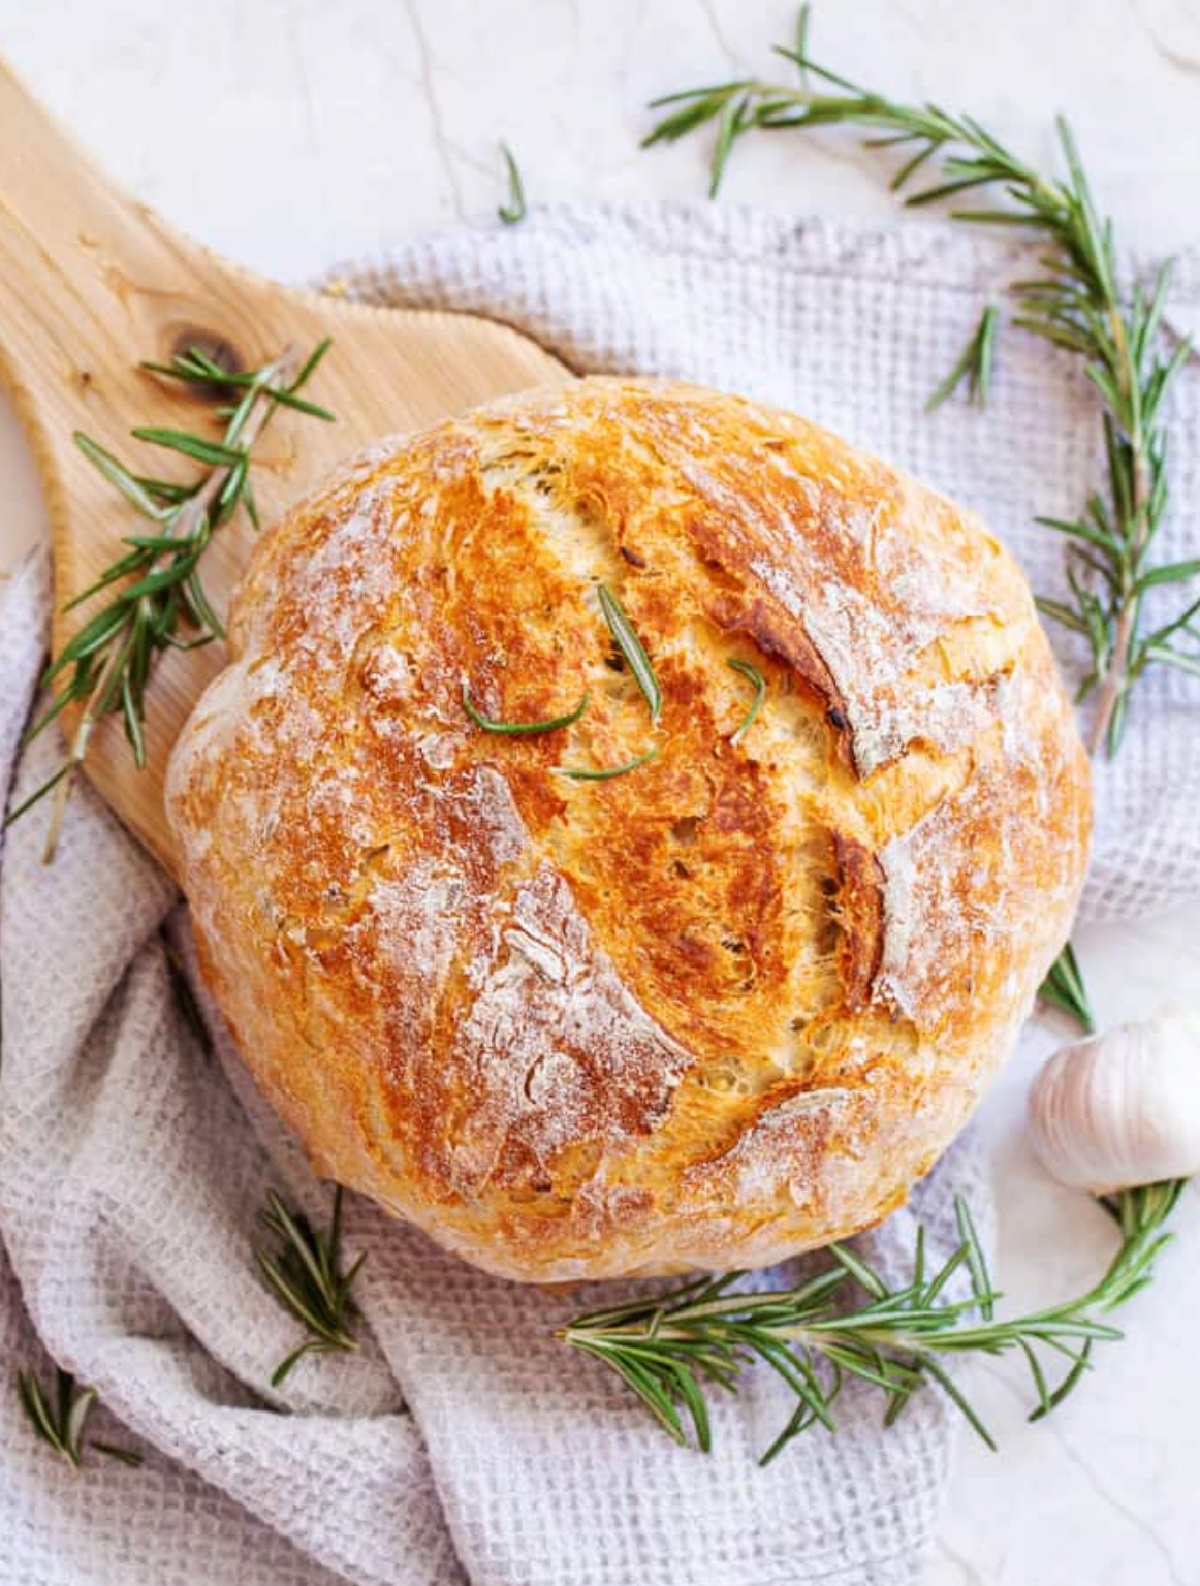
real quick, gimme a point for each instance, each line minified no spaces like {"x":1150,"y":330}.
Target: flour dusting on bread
{"x":704,"y":1013}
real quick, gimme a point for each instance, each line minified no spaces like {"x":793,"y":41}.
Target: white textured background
{"x":287,"y":132}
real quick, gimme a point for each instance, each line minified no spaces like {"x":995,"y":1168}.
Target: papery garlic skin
{"x":1122,"y":1108}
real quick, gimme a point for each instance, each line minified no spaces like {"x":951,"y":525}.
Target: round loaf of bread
{"x":573,"y":1011}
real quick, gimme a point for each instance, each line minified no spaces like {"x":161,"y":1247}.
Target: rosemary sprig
{"x":760,"y":693}
{"x":105,"y":667}
{"x":62,"y":1423}
{"x":516,"y":208}
{"x":1076,"y":302}
{"x":305,"y":1274}
{"x":974,"y":366}
{"x":630,"y":646}
{"x":518,"y":728}
{"x":1064,"y":988}
{"x":669,"y":1348}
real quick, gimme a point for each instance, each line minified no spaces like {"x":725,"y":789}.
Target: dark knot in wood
{"x":222,"y":352}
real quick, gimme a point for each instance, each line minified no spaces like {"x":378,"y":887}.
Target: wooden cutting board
{"x":92,"y":282}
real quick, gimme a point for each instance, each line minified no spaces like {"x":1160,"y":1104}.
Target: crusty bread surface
{"x":709,"y":1012}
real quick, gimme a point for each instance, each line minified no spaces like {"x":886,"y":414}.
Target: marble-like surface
{"x":285,"y":132}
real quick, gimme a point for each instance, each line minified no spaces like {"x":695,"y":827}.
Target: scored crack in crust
{"x":710,"y":1012}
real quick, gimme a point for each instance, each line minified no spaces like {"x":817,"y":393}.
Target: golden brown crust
{"x":715,"y":1010}
{"x":857,"y":906}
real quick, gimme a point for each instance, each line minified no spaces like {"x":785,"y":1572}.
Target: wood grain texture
{"x":90,"y":283}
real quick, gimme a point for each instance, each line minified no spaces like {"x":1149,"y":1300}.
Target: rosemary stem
{"x":1116,"y":674}
{"x":1115,"y":680}
{"x":93,"y":709}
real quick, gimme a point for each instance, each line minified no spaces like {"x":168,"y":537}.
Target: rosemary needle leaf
{"x":312,"y":410}
{"x":215,"y":453}
{"x":976,"y":1261}
{"x":180,"y":368}
{"x":35,"y":1406}
{"x":717,"y":91}
{"x":205,"y":617}
{"x":117,"y":474}
{"x":630,"y":647}
{"x":1050,"y":1401}
{"x":760,"y":692}
{"x":803,"y":18}
{"x":1061,"y":612}
{"x":948,"y":1386}
{"x":93,"y":636}
{"x":119,"y":569}
{"x":133,"y":725}
{"x":514,"y":728}
{"x":913,"y":165}
{"x":284,"y":1368}
{"x":696,"y":109}
{"x":168,"y":491}
{"x":859,"y":1270}
{"x":731,"y":124}
{"x":1078,"y":529}
{"x":1167,"y":573}
{"x":42,"y":722}
{"x":36,"y":796}
{"x":125,"y":1455}
{"x":73,"y":1414}
{"x":1063,"y":988}
{"x":586,"y":774}
{"x":515,"y":210}
{"x":310,"y":365}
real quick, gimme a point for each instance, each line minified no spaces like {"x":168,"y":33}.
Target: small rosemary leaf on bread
{"x":631,"y":648}
{"x":587,"y":774}
{"x":516,"y":728}
{"x":760,"y":691}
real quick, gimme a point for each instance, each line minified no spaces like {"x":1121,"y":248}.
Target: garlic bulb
{"x":1122,"y":1108}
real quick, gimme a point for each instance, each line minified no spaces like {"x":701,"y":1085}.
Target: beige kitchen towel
{"x":462,"y":1442}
